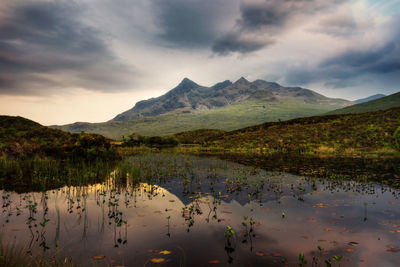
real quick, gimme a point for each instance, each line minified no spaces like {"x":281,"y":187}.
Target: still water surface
{"x":174,"y":211}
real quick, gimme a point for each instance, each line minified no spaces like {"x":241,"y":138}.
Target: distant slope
{"x":20,"y":137}
{"x":370,"y":98}
{"x":229,"y":117}
{"x":383,"y":103}
{"x":224,"y":106}
{"x":347,"y":133}
{"x":189,"y":96}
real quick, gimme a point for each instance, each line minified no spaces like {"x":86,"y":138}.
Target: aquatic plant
{"x":328,"y":263}
{"x":302,"y":260}
{"x":229,"y":242}
{"x":229,"y":232}
{"x":338,"y":259}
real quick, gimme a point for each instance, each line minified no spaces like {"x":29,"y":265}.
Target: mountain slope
{"x":224,"y":106}
{"x":383,"y":103}
{"x":189,"y":96}
{"x":370,"y":98}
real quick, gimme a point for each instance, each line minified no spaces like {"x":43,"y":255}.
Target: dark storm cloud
{"x":224,"y":25}
{"x":236,"y":43}
{"x":269,"y":13}
{"x":277,"y":13}
{"x":191,"y":23}
{"x":347,"y":68}
{"x":44,"y":45}
{"x":267,"y":19}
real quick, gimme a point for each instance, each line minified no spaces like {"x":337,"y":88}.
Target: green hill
{"x":225,"y":106}
{"x":333,"y":134}
{"x":20,"y":137}
{"x":383,"y":103}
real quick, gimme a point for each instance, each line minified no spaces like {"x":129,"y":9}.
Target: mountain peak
{"x":221,"y":85}
{"x":187,"y":82}
{"x":186,"y":85}
{"x":242,"y":80}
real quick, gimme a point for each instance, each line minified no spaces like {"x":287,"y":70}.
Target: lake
{"x":180,"y":210}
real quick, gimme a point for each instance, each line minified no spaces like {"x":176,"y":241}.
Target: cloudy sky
{"x":88,"y":60}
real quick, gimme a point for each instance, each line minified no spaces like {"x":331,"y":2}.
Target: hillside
{"x":20,"y":137}
{"x":225,"y":106}
{"x":370,"y":98}
{"x":340,"y":134}
{"x":383,"y":103}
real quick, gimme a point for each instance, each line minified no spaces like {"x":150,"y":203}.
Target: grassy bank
{"x":365,"y":134}
{"x":23,"y":138}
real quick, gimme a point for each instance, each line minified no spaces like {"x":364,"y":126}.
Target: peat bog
{"x":163,"y":209}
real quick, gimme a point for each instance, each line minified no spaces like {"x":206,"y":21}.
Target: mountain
{"x":383,"y":103}
{"x":224,"y":106}
{"x":189,"y":96}
{"x":370,"y":98}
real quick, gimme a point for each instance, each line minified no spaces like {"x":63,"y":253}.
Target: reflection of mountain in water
{"x":220,"y":190}
{"x":187,"y":197}
{"x":189,"y":175}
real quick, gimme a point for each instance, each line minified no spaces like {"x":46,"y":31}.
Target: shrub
{"x":151,"y":141}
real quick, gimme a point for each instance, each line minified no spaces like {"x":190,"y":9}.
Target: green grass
{"x":383,"y":103}
{"x":227,"y":118}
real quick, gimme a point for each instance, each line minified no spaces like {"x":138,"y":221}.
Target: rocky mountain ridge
{"x":189,"y":95}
